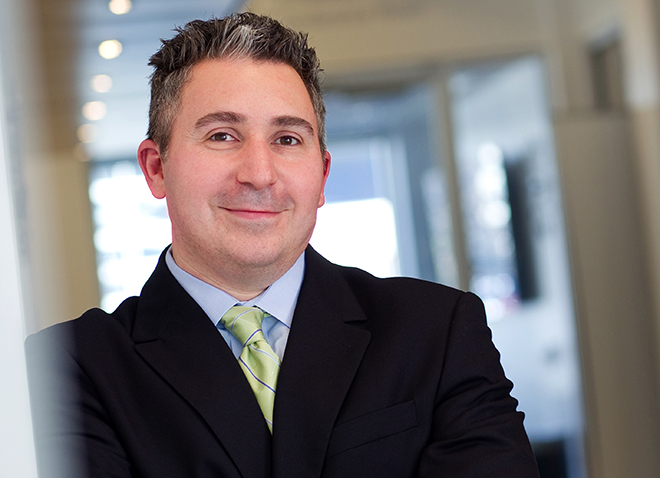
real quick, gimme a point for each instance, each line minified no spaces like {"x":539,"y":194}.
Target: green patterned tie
{"x":258,"y":361}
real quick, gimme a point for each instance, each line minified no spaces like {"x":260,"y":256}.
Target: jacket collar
{"x":324,"y":350}
{"x":323,"y":353}
{"x":174,"y":335}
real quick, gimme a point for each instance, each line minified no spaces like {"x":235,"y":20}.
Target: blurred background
{"x":509,"y":147}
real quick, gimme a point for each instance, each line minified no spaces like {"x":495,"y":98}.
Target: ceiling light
{"x":94,"y":110}
{"x":101,"y":83}
{"x":119,"y":7}
{"x":86,"y":133}
{"x":110,"y":49}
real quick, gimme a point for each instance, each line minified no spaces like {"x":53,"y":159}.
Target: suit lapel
{"x":180,"y":343}
{"x":322,"y":356}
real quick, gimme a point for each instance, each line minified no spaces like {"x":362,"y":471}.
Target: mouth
{"x":252,"y":214}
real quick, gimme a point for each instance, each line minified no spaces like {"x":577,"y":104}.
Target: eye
{"x":221,"y":137}
{"x":287,"y":141}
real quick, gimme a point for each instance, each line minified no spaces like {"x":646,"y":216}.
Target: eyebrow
{"x":294,"y":121}
{"x":220,"y":117}
{"x":236,"y":118}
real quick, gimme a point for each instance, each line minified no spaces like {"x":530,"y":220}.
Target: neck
{"x":243,"y":283}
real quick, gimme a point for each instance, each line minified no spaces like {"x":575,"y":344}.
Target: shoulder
{"x":95,"y":329}
{"x":391,"y":288}
{"x":405,"y":297}
{"x":390,"y":296}
{"x":398,"y":288}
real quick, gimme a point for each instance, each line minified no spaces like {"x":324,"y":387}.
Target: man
{"x":348,"y":376}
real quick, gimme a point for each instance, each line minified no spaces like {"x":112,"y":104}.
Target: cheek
{"x":189,"y":180}
{"x":184,"y":195}
{"x":310,"y":193}
{"x":305,"y":181}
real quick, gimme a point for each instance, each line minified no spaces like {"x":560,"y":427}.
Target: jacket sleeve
{"x":476,"y":430}
{"x":73,"y":436}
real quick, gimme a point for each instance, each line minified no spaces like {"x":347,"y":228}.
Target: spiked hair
{"x":238,"y":36}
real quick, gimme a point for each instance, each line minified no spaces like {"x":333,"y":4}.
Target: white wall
{"x":16,"y":444}
{"x":612,"y":295}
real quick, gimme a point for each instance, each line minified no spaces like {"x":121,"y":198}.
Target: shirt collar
{"x":279,"y":299}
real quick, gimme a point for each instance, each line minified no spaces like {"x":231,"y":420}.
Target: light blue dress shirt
{"x":279,"y":300}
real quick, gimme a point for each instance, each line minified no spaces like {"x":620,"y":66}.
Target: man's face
{"x":244,"y":174}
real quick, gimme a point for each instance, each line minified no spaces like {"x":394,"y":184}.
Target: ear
{"x":326,"y":172}
{"x":151,"y":164}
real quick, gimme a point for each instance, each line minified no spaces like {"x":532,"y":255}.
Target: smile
{"x":252,"y":214}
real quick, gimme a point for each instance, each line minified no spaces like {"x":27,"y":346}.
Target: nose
{"x":257,"y":166}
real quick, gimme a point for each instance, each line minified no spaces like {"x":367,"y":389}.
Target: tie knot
{"x":244,"y":323}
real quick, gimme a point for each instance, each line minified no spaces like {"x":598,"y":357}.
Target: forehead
{"x":245,"y":85}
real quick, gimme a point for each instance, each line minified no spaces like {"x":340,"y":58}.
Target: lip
{"x":252,"y":214}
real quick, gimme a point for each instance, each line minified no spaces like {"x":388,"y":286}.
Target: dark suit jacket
{"x":381,"y":378}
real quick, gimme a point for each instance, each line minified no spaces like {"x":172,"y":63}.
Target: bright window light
{"x":110,"y":49}
{"x":101,"y":83}
{"x":119,"y":7}
{"x":86,"y":133}
{"x":360,"y":234}
{"x":131,"y":229}
{"x":94,"y":110}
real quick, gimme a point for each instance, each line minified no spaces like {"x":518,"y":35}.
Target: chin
{"x":258,"y":255}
